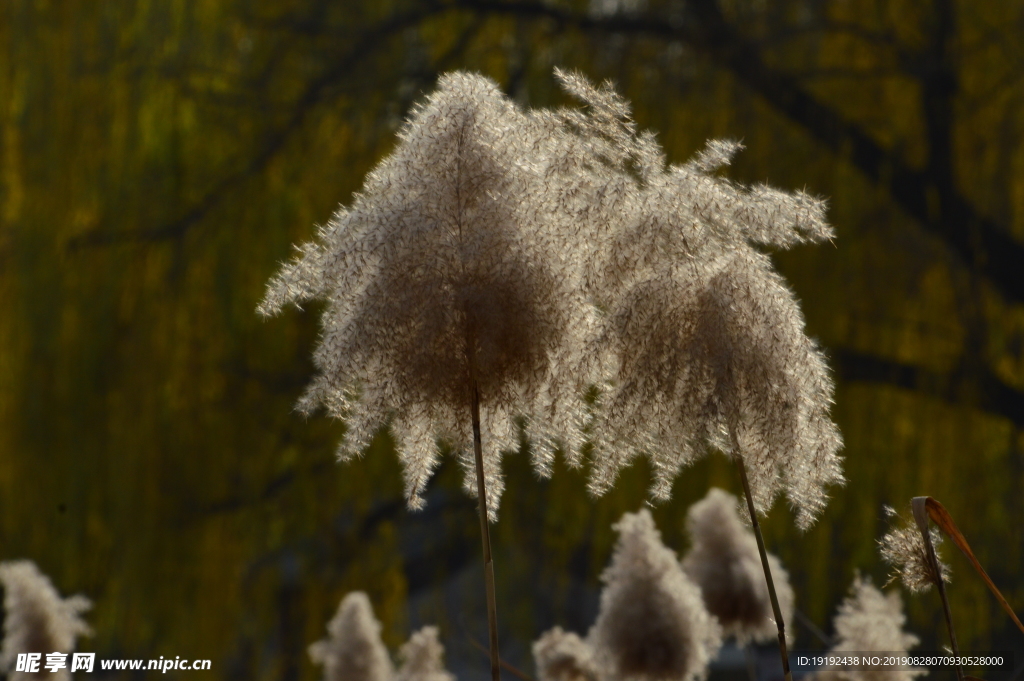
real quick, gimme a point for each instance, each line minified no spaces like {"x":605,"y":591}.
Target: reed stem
{"x":918,"y":505}
{"x":776,"y":610}
{"x":485,"y":538}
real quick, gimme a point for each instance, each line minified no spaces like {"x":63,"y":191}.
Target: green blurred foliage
{"x":157,"y":159}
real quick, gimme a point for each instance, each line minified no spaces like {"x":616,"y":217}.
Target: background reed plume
{"x":870,"y":621}
{"x":723,"y":561}
{"x":353,"y":650}
{"x":38,"y":620}
{"x":563,"y":656}
{"x":652,"y":624}
{"x":422,"y":658}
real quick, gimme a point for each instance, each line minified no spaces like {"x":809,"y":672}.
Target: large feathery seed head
{"x":451,"y":272}
{"x":702,"y":342}
{"x":711,"y":350}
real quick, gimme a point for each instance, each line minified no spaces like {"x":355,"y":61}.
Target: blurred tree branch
{"x":927,"y":194}
{"x":983,"y":389}
{"x":314,"y":94}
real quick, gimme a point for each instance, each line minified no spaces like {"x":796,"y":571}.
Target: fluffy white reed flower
{"x":870,"y":621}
{"x":423,"y":658}
{"x":705,"y":339}
{"x":659,"y":213}
{"x":652,"y":625}
{"x":353,"y":651}
{"x":563,"y":656}
{"x":38,"y":620}
{"x":712,"y":350}
{"x":453,"y":268}
{"x":724,"y":562}
{"x":904,"y":550}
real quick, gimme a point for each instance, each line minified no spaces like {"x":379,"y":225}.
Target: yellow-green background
{"x":157,"y":159}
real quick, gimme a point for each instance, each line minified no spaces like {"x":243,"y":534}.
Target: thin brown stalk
{"x":919,"y":506}
{"x":776,"y":611}
{"x":941,"y":517}
{"x":485,"y":538}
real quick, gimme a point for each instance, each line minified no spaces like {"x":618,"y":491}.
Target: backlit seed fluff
{"x":38,"y":620}
{"x":455,"y":265}
{"x":714,"y":353}
{"x":724,"y":562}
{"x":702,"y":340}
{"x":652,"y":625}
{"x":422,"y":658}
{"x":353,"y":650}
{"x":870,"y":621}
{"x":563,"y":656}
{"x":904,"y":550}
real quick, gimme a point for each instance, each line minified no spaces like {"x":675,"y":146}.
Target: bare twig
{"x":708,"y":32}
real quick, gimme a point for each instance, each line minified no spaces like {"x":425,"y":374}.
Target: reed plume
{"x":422,"y":658}
{"x":452,"y":280}
{"x":870,"y":621}
{"x":455,"y":298}
{"x":723,"y":561}
{"x":704,"y":342}
{"x":563,"y":656}
{"x":38,"y":620}
{"x":717,"y":356}
{"x":652,"y":625}
{"x":904,"y":550}
{"x":353,"y":650}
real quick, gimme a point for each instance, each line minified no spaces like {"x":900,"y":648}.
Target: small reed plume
{"x":563,"y":656}
{"x":353,"y":651}
{"x":38,"y":620}
{"x":422,"y":658}
{"x":911,"y":551}
{"x":870,"y":621}
{"x":724,"y":562}
{"x":904,"y":550}
{"x":652,"y":625}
